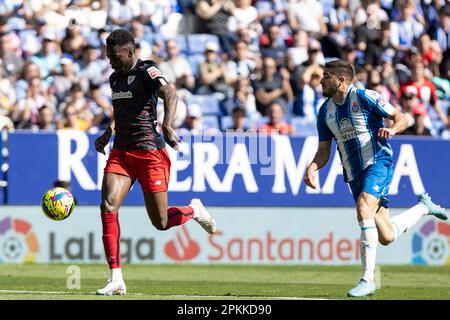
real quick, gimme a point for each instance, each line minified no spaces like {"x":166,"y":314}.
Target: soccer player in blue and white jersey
{"x":354,"y":118}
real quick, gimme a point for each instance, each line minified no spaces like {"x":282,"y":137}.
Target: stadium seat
{"x":210,"y":122}
{"x":197,"y":42}
{"x":194,"y":62}
{"x":208,"y":104}
{"x":303,"y":128}
{"x":225,"y":122}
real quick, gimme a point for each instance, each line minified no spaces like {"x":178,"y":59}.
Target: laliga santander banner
{"x":224,"y":170}
{"x":245,"y":236}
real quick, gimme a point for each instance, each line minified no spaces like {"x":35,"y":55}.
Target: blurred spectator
{"x":138,"y":31}
{"x":25,"y":112}
{"x":416,"y":113}
{"x":274,"y":86}
{"x":244,"y":64}
{"x":73,"y":42}
{"x":251,"y":39}
{"x":93,"y":69}
{"x":214,"y":17}
{"x":46,"y":119}
{"x":442,"y":35}
{"x":407,"y":29}
{"x":424,"y":89}
{"x":48,"y":60}
{"x":276,"y":124}
{"x":370,"y":13}
{"x":275,"y":46}
{"x":12,"y":63}
{"x":373,"y":41}
{"x":99,"y":106}
{"x":298,"y":53}
{"x":64,"y":81}
{"x":244,"y":98}
{"x":272,"y":12}
{"x":7,"y":92}
{"x":446,"y":132}
{"x":71,"y":120}
{"x":308,"y":92}
{"x":431,"y":53}
{"x":176,"y":69}
{"x":193,"y":121}
{"x":307,"y":15}
{"x":244,"y":15}
{"x":213,"y":75}
{"x":388,"y":76}
{"x":121,"y":12}
{"x":341,"y":24}
{"x":30,"y":71}
{"x":238,"y":116}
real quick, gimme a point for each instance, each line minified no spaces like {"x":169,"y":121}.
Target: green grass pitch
{"x":191,"y":282}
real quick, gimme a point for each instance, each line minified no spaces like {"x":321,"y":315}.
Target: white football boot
{"x":113,"y":288}
{"x":202,"y":216}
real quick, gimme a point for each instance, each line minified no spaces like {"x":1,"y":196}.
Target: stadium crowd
{"x":248,"y":65}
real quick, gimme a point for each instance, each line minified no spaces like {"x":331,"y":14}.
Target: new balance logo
{"x":158,"y":183}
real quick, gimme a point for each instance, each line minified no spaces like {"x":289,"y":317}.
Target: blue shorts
{"x":374,"y":180}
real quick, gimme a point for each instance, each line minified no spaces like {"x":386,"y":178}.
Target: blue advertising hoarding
{"x":224,"y":170}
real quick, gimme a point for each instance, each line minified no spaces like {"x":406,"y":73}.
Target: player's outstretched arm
{"x":169,"y":96}
{"x":103,"y":140}
{"x":399,"y":125}
{"x":320,"y":160}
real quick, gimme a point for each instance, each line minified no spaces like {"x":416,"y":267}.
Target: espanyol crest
{"x":130,"y":79}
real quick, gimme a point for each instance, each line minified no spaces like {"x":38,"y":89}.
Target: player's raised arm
{"x":399,"y":125}
{"x":169,"y":96}
{"x":320,"y":160}
{"x":103,"y":140}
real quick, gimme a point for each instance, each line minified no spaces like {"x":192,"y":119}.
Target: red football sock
{"x":111,"y":239}
{"x":179,"y":215}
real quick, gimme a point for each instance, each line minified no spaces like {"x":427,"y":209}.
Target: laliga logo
{"x":431,"y":244}
{"x":18,"y":243}
{"x":183,"y":247}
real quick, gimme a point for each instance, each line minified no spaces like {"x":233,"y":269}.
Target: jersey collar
{"x":350,"y":87}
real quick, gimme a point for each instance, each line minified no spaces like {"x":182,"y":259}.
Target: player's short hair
{"x":120,"y":37}
{"x":341,"y":68}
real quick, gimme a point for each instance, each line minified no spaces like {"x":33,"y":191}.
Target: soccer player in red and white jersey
{"x":423,"y":89}
{"x":139,"y":151}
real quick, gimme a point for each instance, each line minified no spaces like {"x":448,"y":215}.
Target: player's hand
{"x":386,"y":133}
{"x":310,"y":176}
{"x":171,"y":137}
{"x":101,"y":142}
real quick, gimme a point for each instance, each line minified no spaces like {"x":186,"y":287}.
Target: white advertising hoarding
{"x":245,"y":236}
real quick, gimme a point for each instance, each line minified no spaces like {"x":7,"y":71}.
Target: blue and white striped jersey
{"x":354,"y":125}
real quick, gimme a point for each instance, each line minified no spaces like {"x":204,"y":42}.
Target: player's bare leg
{"x":164,"y":218}
{"x":115,"y":187}
{"x":386,"y":233}
{"x":389,"y":229}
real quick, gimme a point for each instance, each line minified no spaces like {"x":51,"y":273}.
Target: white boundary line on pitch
{"x":187,"y":296}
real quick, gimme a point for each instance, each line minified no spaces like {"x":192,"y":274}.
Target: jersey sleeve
{"x":375,"y":103}
{"x":155,"y":77}
{"x":324,"y":131}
